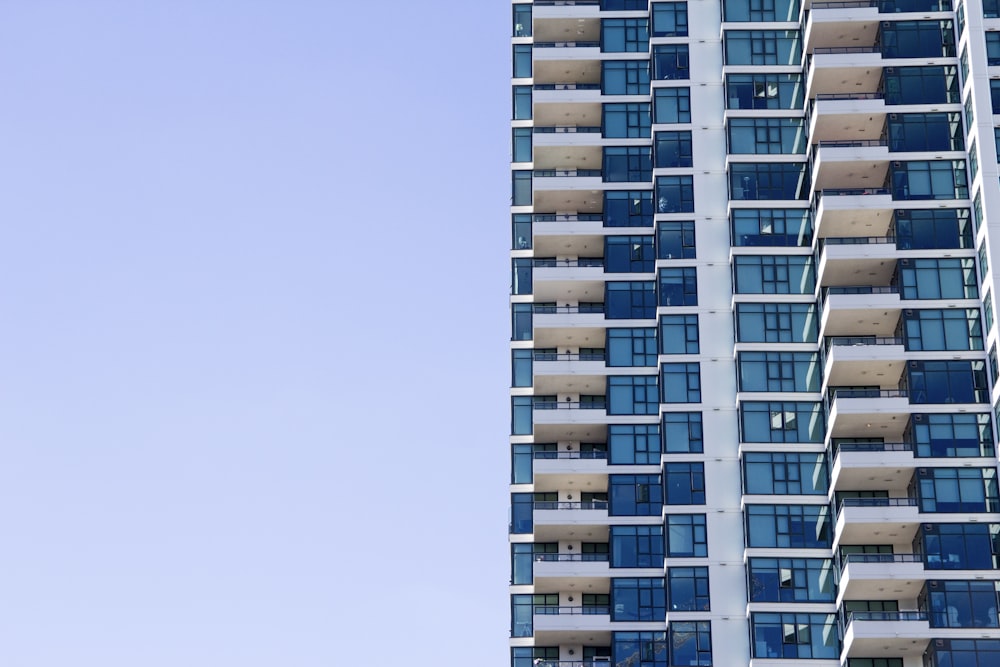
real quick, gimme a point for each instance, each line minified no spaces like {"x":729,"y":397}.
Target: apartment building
{"x":753,"y":348}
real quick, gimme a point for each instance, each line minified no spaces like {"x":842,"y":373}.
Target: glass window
{"x":969,"y":115}
{"x":522,"y":21}
{"x":769,"y":180}
{"x":671,"y":62}
{"x":925,"y":132}
{"x":520,"y":231}
{"x":681,"y":383}
{"x":778,"y":371}
{"x":521,"y":419}
{"x":947,"y":382}
{"x":937,"y":278}
{"x":638,"y":599}
{"x":773,"y":274}
{"x":984,"y":264}
{"x":776,"y":323}
{"x":932,"y":84}
{"x":951,"y":435}
{"x":521,"y":144}
{"x":917,"y":39}
{"x":521,"y":508}
{"x":760,"y":10}
{"x":775,"y":136}
{"x":782,"y":421}
{"x":617,"y":5}
{"x":672,"y":105}
{"x":627,"y":164}
{"x":686,"y":536}
{"x":957,"y":490}
{"x":521,"y":367}
{"x":690,"y":643}
{"x":626,"y":120}
{"x":675,"y":240}
{"x":679,"y":334}
{"x":794,"y":636}
{"x":945,"y":329}
{"x":642,"y":649}
{"x":628,"y":208}
{"x":674,"y":194}
{"x":678,"y":286}
{"x":636,"y":546}
{"x":521,"y":275}
{"x":918,"y":229}
{"x":634,"y":444}
{"x":535,"y":656}
{"x":522,"y":61}
{"x":521,"y":317}
{"x":961,"y":546}
{"x":791,"y":580}
{"x":522,"y":102}
{"x":687,"y":589}
{"x":625,"y":77}
{"x":673,"y":149}
{"x":684,"y":483}
{"x":520,"y":188}
{"x":632,"y":347}
{"x":624,"y":35}
{"x":670,"y":19}
{"x":629,"y":254}
{"x":965,"y":652}
{"x":682,"y":433}
{"x":763,"y":47}
{"x":780,"y":473}
{"x":962,"y":604}
{"x":635,"y":495}
{"x":789,"y":526}
{"x":995,"y":95}
{"x":782,"y":227}
{"x":764,"y":91}
{"x":630,"y":300}
{"x":633,"y":395}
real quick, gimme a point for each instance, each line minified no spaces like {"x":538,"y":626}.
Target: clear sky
{"x":253,"y":304}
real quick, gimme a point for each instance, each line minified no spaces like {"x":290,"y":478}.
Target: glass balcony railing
{"x":572,"y":611}
{"x":589,"y":455}
{"x":861,"y":341}
{"x":567,"y":129}
{"x":876,"y":502}
{"x":571,"y":558}
{"x":570,"y":173}
{"x":586,"y":262}
{"x":565,"y":45}
{"x":874,"y":392}
{"x":586,"y":307}
{"x":857,"y":240}
{"x":567,"y":86}
{"x":882,"y":558}
{"x":568,"y":356}
{"x":571,"y":405}
{"x":886,"y":616}
{"x":570,"y":505}
{"x":873,"y":447}
{"x":567,"y":217}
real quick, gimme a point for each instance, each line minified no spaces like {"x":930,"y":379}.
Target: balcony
{"x":833,"y":23}
{"x":556,"y":572}
{"x":572,"y":625}
{"x":877,"y":634}
{"x":863,"y":360}
{"x":571,"y":233}
{"x":573,"y":279}
{"x":585,"y":203}
{"x":850,"y":310}
{"x":868,"y":413}
{"x":575,"y":325}
{"x":845,"y":69}
{"x":877,"y":521}
{"x":850,"y":116}
{"x":853,"y":212}
{"x":575,"y":469}
{"x":553,"y":180}
{"x":565,"y":519}
{"x":855,"y":163}
{"x":570,"y":412}
{"x":881,"y":577}
{"x":862,"y":466}
{"x":854,"y":261}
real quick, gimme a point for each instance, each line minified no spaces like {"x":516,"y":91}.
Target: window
{"x":769,"y":180}
{"x":630,"y":300}
{"x":778,"y":371}
{"x":682,"y":433}
{"x":631,"y":347}
{"x":761,"y":10}
{"x":773,"y":274}
{"x":674,"y":194}
{"x":946,"y":329}
{"x":776,"y":323}
{"x":957,"y":490}
{"x":687,"y":589}
{"x":788,"y":526}
{"x":686,"y":536}
{"x":624,"y":4}
{"x":684,"y":483}
{"x":762,"y":136}
{"x":521,"y":508}
{"x":629,"y":254}
{"x":520,"y":225}
{"x":764,"y":91}
{"x":947,"y":382}
{"x":672,"y":105}
{"x":627,"y":164}
{"x":536,"y":656}
{"x":675,"y":240}
{"x":794,"y":636}
{"x":782,"y":227}
{"x":522,"y":21}
{"x":521,"y":96}
{"x":625,"y":35}
{"x":671,"y":62}
{"x":937,"y":278}
{"x":681,"y":383}
{"x":993,"y":48}
{"x":918,"y":229}
{"x":635,"y":495}
{"x":520,"y":281}
{"x":678,"y":286}
{"x":763,"y":47}
{"x":521,"y":144}
{"x":521,"y":188}
{"x":520,"y":413}
{"x":641,"y":649}
{"x":775,"y":473}
{"x":521,"y":317}
{"x":673,"y":149}
{"x":628,"y":208}
{"x":781,"y":421}
{"x":691,"y":643}
{"x":625,"y":77}
{"x":638,"y":599}
{"x":965,"y":652}
{"x":932,"y":84}
{"x":670,"y":19}
{"x":988,"y":311}
{"x":951,"y":435}
{"x":521,"y":367}
{"x":631,"y":120}
{"x":636,"y":546}
{"x":995,"y":95}
{"x":791,"y":580}
{"x":633,"y":395}
{"x":918,"y":39}
{"x":961,"y":546}
{"x":973,"y":159}
{"x":521,"y":464}
{"x":925,"y":132}
{"x":522,"y":61}
{"x":679,"y":334}
{"x":962,"y":604}
{"x":631,"y":444}
{"x":977,"y":210}
{"x":984,"y":265}
{"x":522,"y":615}
{"x":522,"y":558}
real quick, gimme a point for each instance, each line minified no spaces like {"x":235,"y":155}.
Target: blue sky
{"x":253,"y":288}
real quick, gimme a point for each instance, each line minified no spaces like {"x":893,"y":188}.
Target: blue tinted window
{"x":774,"y":274}
{"x":682,"y":433}
{"x":925,"y":132}
{"x":674,"y":194}
{"x":521,"y":367}
{"x":521,"y":520}
{"x":522,"y":102}
{"x":635,"y":495}
{"x":782,"y":421}
{"x":629,"y":254}
{"x":781,"y":473}
{"x":626,"y":120}
{"x":631,"y":347}
{"x":950,"y":278}
{"x":627,"y":164}
{"x":633,"y":395}
{"x":670,"y":19}
{"x":764,"y":91}
{"x":638,"y":599}
{"x":961,"y":546}
{"x":678,"y":286}
{"x":522,"y":61}
{"x":687,"y":589}
{"x":691,"y":643}
{"x":795,"y":636}
{"x":684,"y":483}
{"x":933,"y":228}
{"x":672,"y":105}
{"x":521,"y":188}
{"x":624,"y":35}
{"x":789,"y":526}
{"x":522,"y":21}
{"x":636,"y":546}
{"x":686,"y":536}
{"x":791,"y":580}
{"x":763,"y":47}
{"x":671,"y":61}
{"x":675,"y":240}
{"x":946,"y":329}
{"x":630,"y":300}
{"x":625,"y":77}
{"x":767,"y":136}
{"x":679,"y":334}
{"x":628,"y":208}
{"x":962,"y":604}
{"x":521,"y":144}
{"x":951,"y":435}
{"x":778,"y":371}
{"x":917,"y":39}
{"x":673,"y":149}
{"x":769,"y":180}
{"x":643,"y":649}
{"x":630,"y":444}
{"x":761,"y":10}
{"x":957,"y":490}
{"x":521,"y":420}
{"x":934,"y":84}
{"x":929,"y":179}
{"x":681,"y":383}
{"x":776,"y":323}
{"x":521,"y":317}
{"x":783,"y":227}
{"x":520,"y":270}
{"x":947,"y":382}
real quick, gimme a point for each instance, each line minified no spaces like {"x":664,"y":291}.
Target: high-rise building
{"x":753,"y":351}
